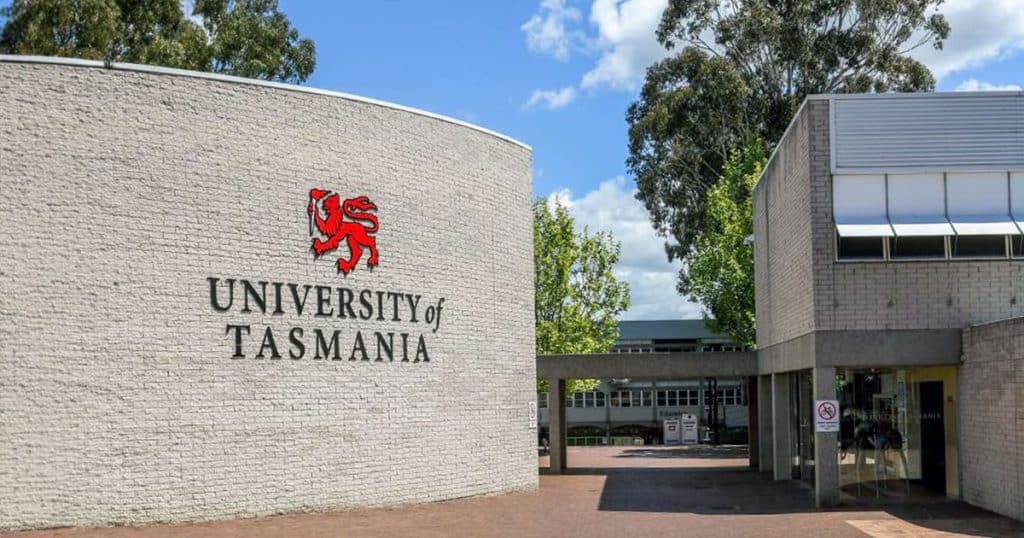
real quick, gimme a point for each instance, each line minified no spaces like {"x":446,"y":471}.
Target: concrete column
{"x":556,"y":424}
{"x":826,"y":451}
{"x":781,"y":446}
{"x":764,"y":423}
{"x":753,"y":445}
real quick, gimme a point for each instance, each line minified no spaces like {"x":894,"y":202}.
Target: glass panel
{"x":861,"y":248}
{"x":898,"y":432}
{"x":918,"y":247}
{"x":661,"y":398}
{"x":979,"y":246}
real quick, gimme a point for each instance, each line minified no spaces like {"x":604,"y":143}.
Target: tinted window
{"x":979,"y":246}
{"x":861,"y":248}
{"x":918,"y":247}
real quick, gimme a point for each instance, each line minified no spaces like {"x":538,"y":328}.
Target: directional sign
{"x":826,"y":416}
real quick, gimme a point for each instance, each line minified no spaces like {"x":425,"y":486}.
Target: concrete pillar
{"x":556,"y":424}
{"x":764,"y":423}
{"x":826,"y":451}
{"x":782,"y":466}
{"x":753,"y":445}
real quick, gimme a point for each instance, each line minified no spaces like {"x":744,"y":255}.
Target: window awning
{"x":917,"y":205}
{"x":864,"y":229}
{"x":978,"y":203}
{"x":921,"y":227}
{"x":858,"y":206}
{"x":984,"y":225}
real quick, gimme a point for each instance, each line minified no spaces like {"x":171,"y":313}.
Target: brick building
{"x":171,"y":349}
{"x":628,"y":411}
{"x":888,"y":247}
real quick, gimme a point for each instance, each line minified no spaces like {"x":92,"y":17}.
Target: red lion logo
{"x":356,"y":234}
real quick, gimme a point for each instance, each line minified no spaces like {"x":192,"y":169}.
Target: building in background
{"x":626,"y":411}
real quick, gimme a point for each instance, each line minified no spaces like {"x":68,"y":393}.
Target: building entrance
{"x":897,"y":432}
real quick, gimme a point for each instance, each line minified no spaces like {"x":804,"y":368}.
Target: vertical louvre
{"x":935,"y":131}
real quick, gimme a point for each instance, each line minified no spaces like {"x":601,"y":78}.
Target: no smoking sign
{"x":826,"y":416}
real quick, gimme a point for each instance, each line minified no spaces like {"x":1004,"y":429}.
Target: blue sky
{"x":559,"y":75}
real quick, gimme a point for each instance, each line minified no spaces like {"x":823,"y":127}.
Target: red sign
{"x":331,"y":228}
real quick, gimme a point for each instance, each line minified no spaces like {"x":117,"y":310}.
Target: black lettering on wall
{"x":414,"y":302}
{"x":277,"y":299}
{"x":323,"y":346}
{"x":421,"y":349}
{"x":295,"y":336}
{"x":323,"y":302}
{"x":359,"y":345}
{"x":260,"y":297}
{"x":347,"y":296}
{"x":366,"y":311}
{"x":387,"y":345}
{"x":268,"y":342}
{"x":299,"y":304}
{"x":238,"y":339}
{"x":213,"y":294}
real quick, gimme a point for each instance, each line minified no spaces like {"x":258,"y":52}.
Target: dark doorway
{"x":933,"y":437}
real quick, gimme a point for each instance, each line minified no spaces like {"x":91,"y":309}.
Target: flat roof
{"x":665,"y":329}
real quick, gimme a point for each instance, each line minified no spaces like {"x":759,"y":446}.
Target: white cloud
{"x":625,"y":34}
{"x":981,"y":30}
{"x":652,"y":278}
{"x":975,"y":85}
{"x":551,"y":98}
{"x":547,"y":31}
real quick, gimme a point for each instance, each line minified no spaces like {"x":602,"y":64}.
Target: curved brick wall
{"x":123,"y":191}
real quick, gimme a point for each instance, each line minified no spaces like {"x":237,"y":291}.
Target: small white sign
{"x":533,"y":415}
{"x":688,"y":429}
{"x":826,"y":416}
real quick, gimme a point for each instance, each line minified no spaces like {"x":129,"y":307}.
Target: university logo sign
{"x":254,"y":308}
{"x":328,"y":227}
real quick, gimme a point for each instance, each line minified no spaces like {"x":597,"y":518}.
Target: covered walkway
{"x":557,"y":369}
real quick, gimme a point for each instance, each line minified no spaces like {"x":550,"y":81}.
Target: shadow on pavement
{"x":691,"y":452}
{"x":739,"y":491}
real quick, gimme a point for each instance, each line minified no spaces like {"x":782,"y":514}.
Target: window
{"x":1017,"y":244}
{"x":979,"y":246}
{"x":585,"y":399}
{"x":645,"y":398}
{"x":929,"y":247}
{"x":861,"y":248}
{"x":542,"y":400}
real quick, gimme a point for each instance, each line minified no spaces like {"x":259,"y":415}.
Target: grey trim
{"x":862,"y":348}
{"x":648,"y":365}
{"x":157,"y":70}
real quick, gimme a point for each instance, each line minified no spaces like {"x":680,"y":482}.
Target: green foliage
{"x":742,"y":69}
{"x":578,"y":299}
{"x":248,"y":38}
{"x":721,"y":268}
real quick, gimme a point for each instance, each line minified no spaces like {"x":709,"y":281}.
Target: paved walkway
{"x":619,"y":491}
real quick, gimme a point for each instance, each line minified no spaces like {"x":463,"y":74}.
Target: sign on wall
{"x":826,"y":416}
{"x":532,"y":412}
{"x":404,"y":320}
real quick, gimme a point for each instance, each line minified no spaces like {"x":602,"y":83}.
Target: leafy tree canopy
{"x":742,"y":69}
{"x":721,"y":268}
{"x":248,"y":38}
{"x":578,"y":298}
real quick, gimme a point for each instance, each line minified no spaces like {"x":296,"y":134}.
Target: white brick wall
{"x":991,"y":385}
{"x":121,"y":192}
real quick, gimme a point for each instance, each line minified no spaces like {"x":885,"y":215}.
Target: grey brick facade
{"x":992,"y":403}
{"x":120,"y":403}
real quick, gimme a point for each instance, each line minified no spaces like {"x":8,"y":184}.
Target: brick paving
{"x":618,"y":491}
